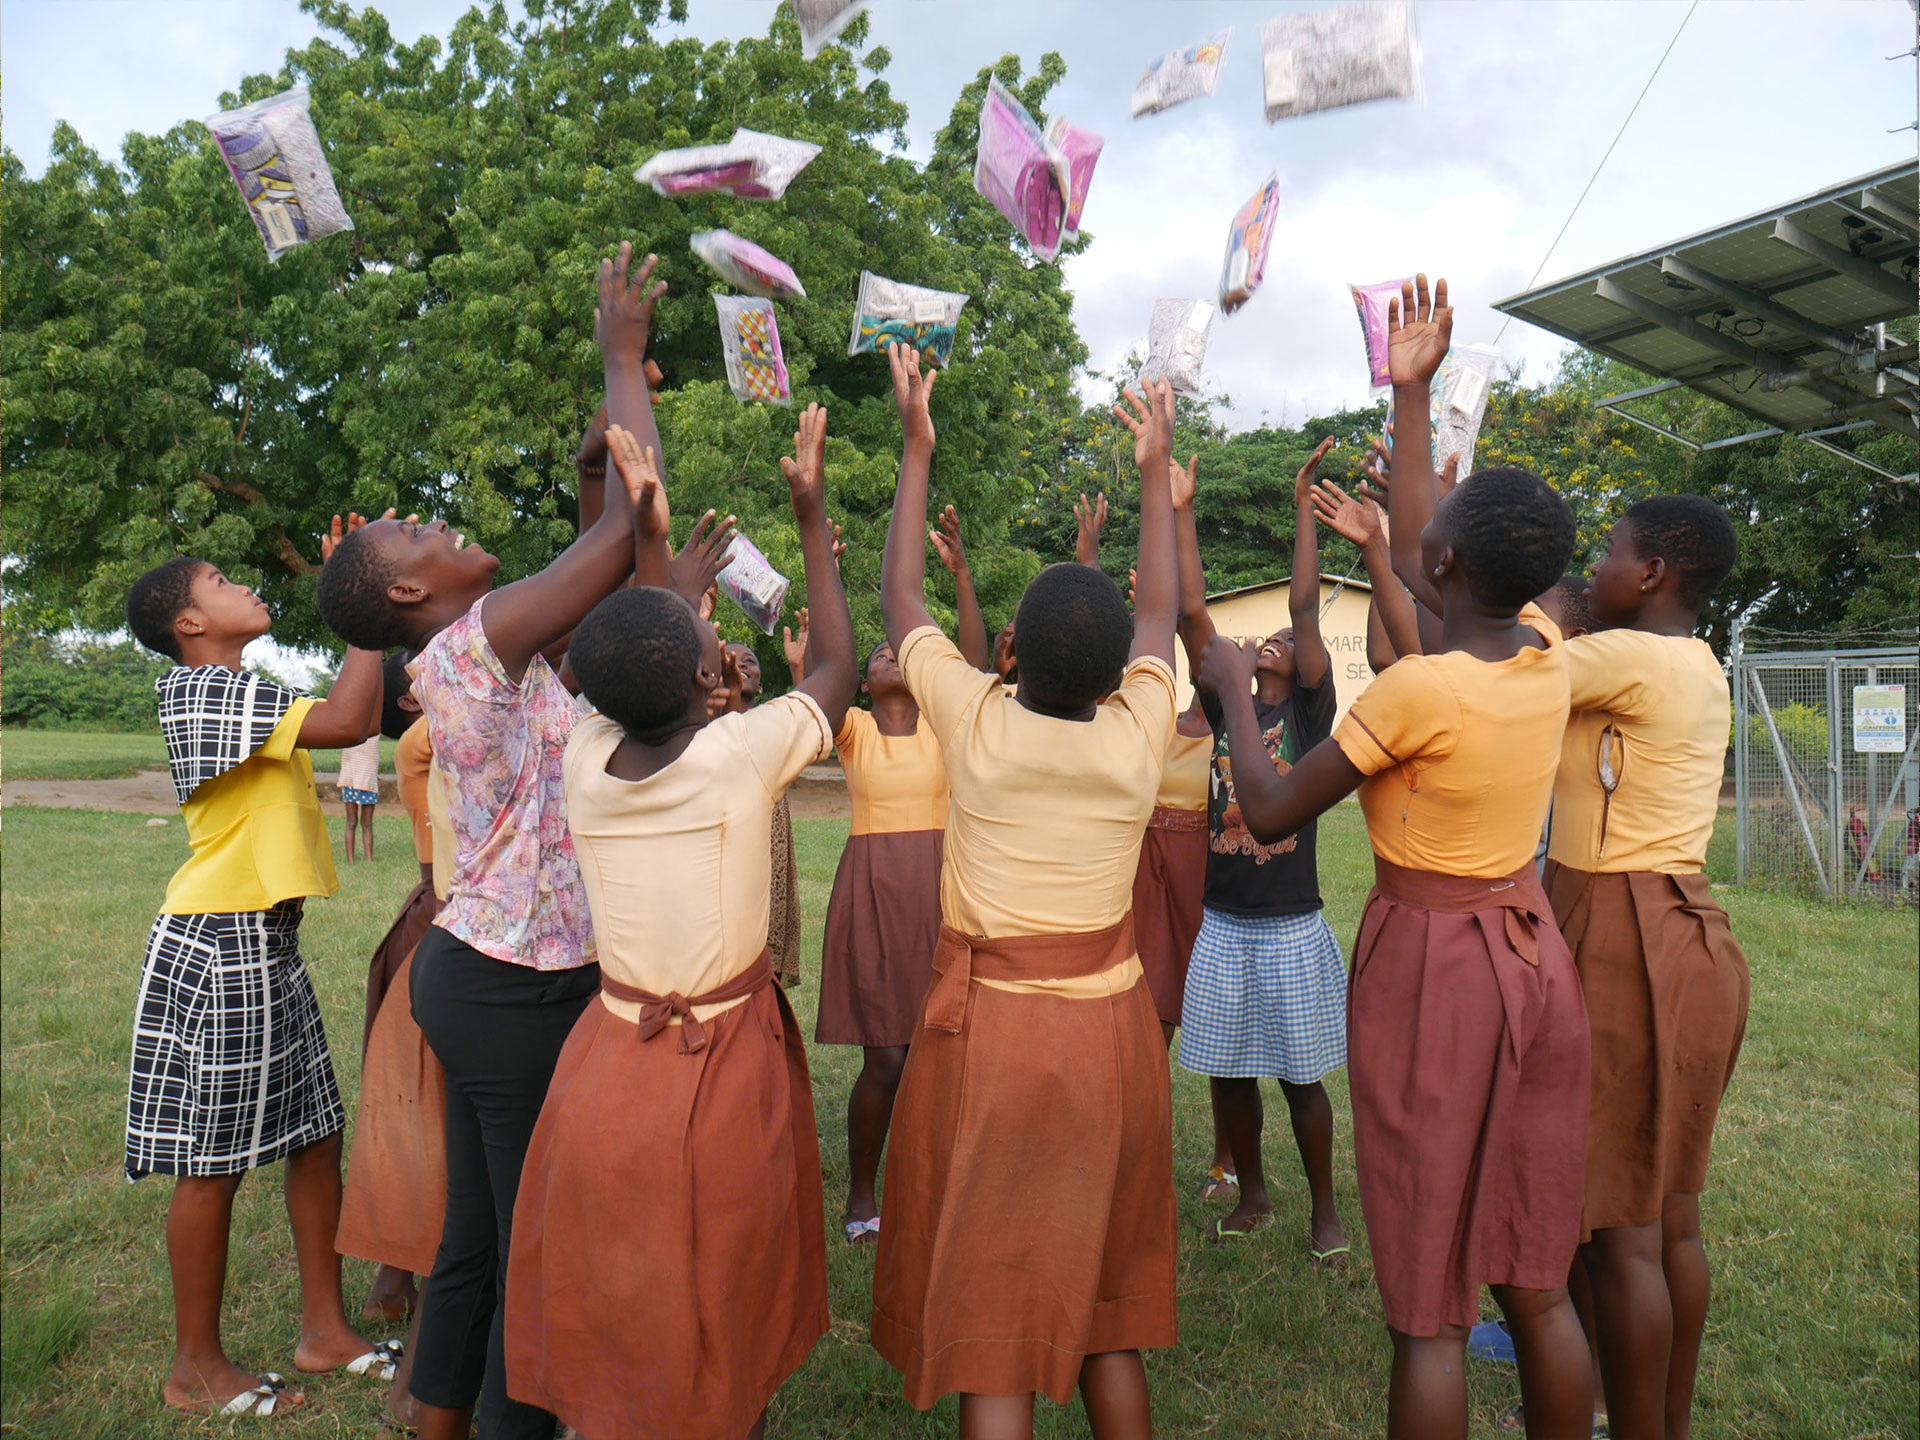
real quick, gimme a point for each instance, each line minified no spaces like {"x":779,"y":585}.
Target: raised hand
{"x":1226,"y":667}
{"x":1303,"y":482}
{"x":702,"y":557}
{"x":839,"y":545}
{"x":1418,"y":332}
{"x":806,"y":471}
{"x":911,"y":393}
{"x":1151,"y":423}
{"x":721,"y":698}
{"x":641,"y":476}
{"x":624,"y":318}
{"x":591,"y":458}
{"x":1357,"y":520}
{"x":1448,"y":477}
{"x":330,"y":541}
{"x":1183,"y":478}
{"x":709,"y":602}
{"x":947,"y":543}
{"x":1090,"y":518}
{"x":796,"y":648}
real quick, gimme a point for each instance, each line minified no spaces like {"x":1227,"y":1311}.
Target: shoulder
{"x":855,"y":728}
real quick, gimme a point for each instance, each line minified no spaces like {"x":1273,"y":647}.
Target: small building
{"x":1254,"y":612}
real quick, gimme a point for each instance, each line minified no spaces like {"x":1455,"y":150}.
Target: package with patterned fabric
{"x":1247,"y":244}
{"x":756,"y":587}
{"x":1181,"y":75}
{"x":744,"y":264}
{"x":822,"y":20}
{"x":274,"y":155}
{"x":752,"y":165}
{"x":750,"y":336}
{"x":1177,"y":344}
{"x":888,"y":310}
{"x":1370,"y":304}
{"x":1344,"y":55}
{"x":1460,"y":403}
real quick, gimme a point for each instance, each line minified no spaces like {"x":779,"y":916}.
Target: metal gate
{"x":1826,"y":779}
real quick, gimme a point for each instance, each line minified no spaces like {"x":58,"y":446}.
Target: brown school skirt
{"x":1168,"y":891}
{"x":395,"y":1200}
{"x":409,"y":928}
{"x":669,"y":1255}
{"x":1666,"y":989}
{"x":1468,"y":1068}
{"x":883,"y":923}
{"x":1029,"y":1211}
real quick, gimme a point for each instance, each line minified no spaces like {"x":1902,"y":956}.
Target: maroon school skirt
{"x":1468,"y":1050}
{"x":883,"y":923}
{"x":1169,"y":890}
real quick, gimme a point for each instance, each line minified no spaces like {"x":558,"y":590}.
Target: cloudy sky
{"x":1761,"y":101}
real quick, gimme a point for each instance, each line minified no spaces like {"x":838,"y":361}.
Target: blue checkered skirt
{"x":1266,"y":996}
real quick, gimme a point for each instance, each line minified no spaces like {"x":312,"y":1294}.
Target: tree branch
{"x":288,"y":552}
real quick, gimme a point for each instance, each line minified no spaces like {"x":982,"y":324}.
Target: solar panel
{"x":1779,"y":315}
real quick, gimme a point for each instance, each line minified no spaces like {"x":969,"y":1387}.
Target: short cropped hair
{"x":1574,"y":611}
{"x":1075,"y":634}
{"x":1693,"y":535}
{"x":1511,"y":534}
{"x":156,"y":600}
{"x":353,"y":594}
{"x":394,"y":721}
{"x":637,"y":658}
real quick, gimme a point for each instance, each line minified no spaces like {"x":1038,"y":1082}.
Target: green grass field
{"x":1811,"y":1214}
{"x":92,"y":755}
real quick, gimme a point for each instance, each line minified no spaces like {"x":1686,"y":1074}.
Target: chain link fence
{"x":1826,"y":778}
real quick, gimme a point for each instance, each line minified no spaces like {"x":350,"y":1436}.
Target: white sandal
{"x":858,"y":1232}
{"x":259,"y":1403}
{"x":381,"y":1363}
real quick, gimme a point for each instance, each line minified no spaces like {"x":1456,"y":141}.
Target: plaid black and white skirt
{"x":230,"y":1063}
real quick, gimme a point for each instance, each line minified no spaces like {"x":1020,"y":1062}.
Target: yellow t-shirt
{"x":1460,"y":756}
{"x":677,"y":869}
{"x":412,"y":759}
{"x":894,"y":782}
{"x":1046,"y":815}
{"x":1660,"y":706}
{"x":256,"y":830}
{"x":1184,"y":776}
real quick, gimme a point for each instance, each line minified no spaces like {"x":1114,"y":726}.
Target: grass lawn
{"x":1811,"y":1214}
{"x":92,"y":755}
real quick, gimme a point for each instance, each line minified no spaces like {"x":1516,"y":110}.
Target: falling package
{"x":1177,"y":344}
{"x":750,"y":336}
{"x":1181,"y":75}
{"x":1460,"y":404}
{"x":1324,"y":59}
{"x":756,"y":587}
{"x":744,"y":264}
{"x":1370,"y":304}
{"x":887,"y":311}
{"x":1039,"y":182}
{"x":275,"y":157}
{"x":1247,"y":244}
{"x":751,"y":165}
{"x":821,"y":20}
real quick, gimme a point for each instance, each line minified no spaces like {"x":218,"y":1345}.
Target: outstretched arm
{"x":972,"y":638}
{"x":1418,"y":334}
{"x":832,"y":670}
{"x":690,"y":574}
{"x":1391,"y":608}
{"x":351,"y":711}
{"x":1195,"y":625}
{"x":1089,"y":519}
{"x":1310,"y":663}
{"x":903,"y":568}
{"x":1157,"y":575}
{"x":1273,"y":805}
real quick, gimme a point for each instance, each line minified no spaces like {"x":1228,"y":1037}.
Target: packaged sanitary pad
{"x":887,"y":311}
{"x":750,"y":336}
{"x":274,"y":154}
{"x":1181,"y":75}
{"x":745,"y":265}
{"x":1324,"y":59}
{"x":1247,"y":244}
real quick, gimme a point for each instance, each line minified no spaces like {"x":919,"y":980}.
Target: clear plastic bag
{"x":821,"y":20}
{"x":756,"y":587}
{"x":1016,"y":173}
{"x":888,"y":310}
{"x":750,"y":336}
{"x":1324,"y":59}
{"x":1181,"y":75}
{"x":743,"y":264}
{"x":752,"y":165}
{"x":1370,"y":304}
{"x":1177,"y":344}
{"x":1460,"y":403}
{"x":274,"y":155}
{"x":1247,"y":244}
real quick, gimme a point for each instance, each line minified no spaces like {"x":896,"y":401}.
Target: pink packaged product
{"x":1247,"y":244}
{"x":1081,"y":151}
{"x":1030,"y":178}
{"x":751,"y":165}
{"x":1370,"y":304}
{"x":745,"y":265}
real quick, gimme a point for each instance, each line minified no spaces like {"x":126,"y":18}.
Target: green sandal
{"x":1221,"y":1234}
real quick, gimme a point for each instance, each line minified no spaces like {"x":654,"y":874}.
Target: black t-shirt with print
{"x":1245,"y":877}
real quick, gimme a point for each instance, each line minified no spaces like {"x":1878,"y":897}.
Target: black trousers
{"x":497,"y":1028}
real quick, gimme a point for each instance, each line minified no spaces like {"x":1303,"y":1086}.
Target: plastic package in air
{"x":1039,"y":182}
{"x":1177,"y":344}
{"x":274,"y":154}
{"x":1247,"y":244}
{"x":887,"y":311}
{"x":1460,"y":403}
{"x":1370,"y":304}
{"x":822,"y":20}
{"x":1181,"y":75}
{"x":1080,"y":149}
{"x":756,"y":587}
{"x":745,"y":265}
{"x":750,"y":336}
{"x":1324,"y":59}
{"x":752,"y":165}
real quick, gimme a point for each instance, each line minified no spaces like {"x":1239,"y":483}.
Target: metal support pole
{"x":1742,"y":863}
{"x":1873,"y":788}
{"x":1836,"y":806}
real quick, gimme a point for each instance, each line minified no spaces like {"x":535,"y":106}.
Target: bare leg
{"x":327,"y":1339}
{"x":1633,"y":1318}
{"x":366,"y":830}
{"x":199,"y":1220}
{"x":1166,"y":1033}
{"x":1556,"y":1373}
{"x":1580,"y":1289}
{"x":1312,"y":1116}
{"x":353,"y":824}
{"x":759,"y":1427}
{"x":1222,"y":1152}
{"x":1236,"y":1104}
{"x":994,"y":1417}
{"x":437,"y":1423}
{"x":1427,"y":1394}
{"x":1113,"y":1387}
{"x":392,"y":1297}
{"x":869,"y":1112}
{"x":402,"y":1408}
{"x":1689,"y":1289}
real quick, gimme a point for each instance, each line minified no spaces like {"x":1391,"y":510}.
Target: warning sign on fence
{"x":1880,"y":719}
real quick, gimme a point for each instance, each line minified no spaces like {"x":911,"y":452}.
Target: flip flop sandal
{"x":259,"y":1403}
{"x":1221,"y":1234}
{"x":861,"y":1232}
{"x":1327,"y":1257}
{"x":1219,"y":1180}
{"x":381,"y":1363}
